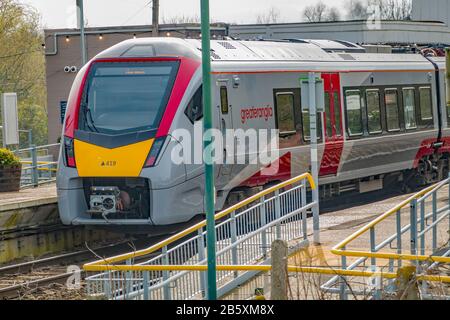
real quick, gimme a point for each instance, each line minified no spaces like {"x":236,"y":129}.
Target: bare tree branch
{"x":272,"y":16}
{"x":320,"y":12}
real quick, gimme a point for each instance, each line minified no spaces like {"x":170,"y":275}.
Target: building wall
{"x":434,"y":10}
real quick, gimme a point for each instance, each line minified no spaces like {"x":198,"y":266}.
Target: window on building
{"x":409,"y":108}
{"x":392,"y":111}
{"x":373,"y":111}
{"x":354,"y":115}
{"x":426,"y":110}
{"x":285,"y":113}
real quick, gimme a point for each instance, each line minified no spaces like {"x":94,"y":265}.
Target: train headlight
{"x":154,"y":152}
{"x":69,"y":152}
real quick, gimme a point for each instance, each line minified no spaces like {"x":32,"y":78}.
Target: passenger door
{"x":334,"y":138}
{"x":225,"y":123}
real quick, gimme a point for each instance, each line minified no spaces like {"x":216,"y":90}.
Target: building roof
{"x":358,"y":31}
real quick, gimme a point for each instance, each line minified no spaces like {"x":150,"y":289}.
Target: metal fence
{"x":421,"y":226}
{"x":38,"y":165}
{"x":244,"y":234}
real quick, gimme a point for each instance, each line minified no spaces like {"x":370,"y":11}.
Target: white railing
{"x":244,"y":235}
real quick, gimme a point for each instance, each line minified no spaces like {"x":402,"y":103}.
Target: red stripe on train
{"x":280,"y":170}
{"x":334,"y":145}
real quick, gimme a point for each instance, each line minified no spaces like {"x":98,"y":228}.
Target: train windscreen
{"x":124,"y":97}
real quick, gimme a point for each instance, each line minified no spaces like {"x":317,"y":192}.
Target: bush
{"x":8,"y":159}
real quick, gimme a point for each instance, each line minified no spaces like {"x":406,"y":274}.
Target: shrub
{"x":8,"y":159}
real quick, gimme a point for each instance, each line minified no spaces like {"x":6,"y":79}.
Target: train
{"x":385,"y":121}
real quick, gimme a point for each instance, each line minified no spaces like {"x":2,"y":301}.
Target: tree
{"x":315,"y":13}
{"x":333,"y":14}
{"x":393,"y":9}
{"x":22,"y":63}
{"x":272,"y":16}
{"x":320,"y":12}
{"x":181,"y":19}
{"x":357,"y":10}
{"x":386,"y":9}
{"x":34,"y":117}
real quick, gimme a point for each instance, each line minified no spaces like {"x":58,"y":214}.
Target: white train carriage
{"x":384,"y":122}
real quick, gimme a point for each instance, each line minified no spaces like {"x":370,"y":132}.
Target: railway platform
{"x":30,"y":226}
{"x":28,"y":208}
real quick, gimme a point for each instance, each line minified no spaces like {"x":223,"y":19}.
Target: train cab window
{"x":285,"y":113}
{"x":392,"y":112}
{"x":143,"y":87}
{"x":409,"y":108}
{"x":337,"y":114}
{"x":328,"y":124}
{"x":426,"y":111}
{"x":373,"y":111}
{"x":354,"y":114}
{"x":194,"y":110}
{"x":224,"y":99}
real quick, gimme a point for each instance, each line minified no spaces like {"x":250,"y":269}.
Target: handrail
{"x":100,"y":265}
{"x":381,"y":218}
{"x":38,"y":147}
{"x":340,"y":250}
{"x":266,"y":268}
{"x":39,"y":162}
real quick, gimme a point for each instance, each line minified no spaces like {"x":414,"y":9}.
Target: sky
{"x":62,"y":13}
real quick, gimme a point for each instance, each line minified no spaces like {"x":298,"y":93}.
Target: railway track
{"x":25,"y":278}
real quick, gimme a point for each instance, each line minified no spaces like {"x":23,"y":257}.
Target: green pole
{"x":209,"y":169}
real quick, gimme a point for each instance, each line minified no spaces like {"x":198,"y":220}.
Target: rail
{"x":419,"y":238}
{"x":244,"y":233}
{"x":36,"y":172}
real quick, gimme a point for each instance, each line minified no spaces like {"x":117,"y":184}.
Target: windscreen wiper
{"x":89,"y":120}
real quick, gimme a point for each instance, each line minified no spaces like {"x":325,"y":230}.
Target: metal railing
{"x":36,"y":169}
{"x":423,"y":240}
{"x":163,"y":278}
{"x":244,"y":233}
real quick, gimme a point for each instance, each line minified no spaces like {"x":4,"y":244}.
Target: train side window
{"x":354,"y":114}
{"x":337,"y":114}
{"x":392,"y":112}
{"x":409,"y":108}
{"x":224,"y":99}
{"x":194,"y":110}
{"x":373,"y":111}
{"x":306,"y":126}
{"x":328,"y":125}
{"x":426,"y":111}
{"x":285,"y":113}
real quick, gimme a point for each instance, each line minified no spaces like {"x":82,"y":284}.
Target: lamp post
{"x":207,"y":157}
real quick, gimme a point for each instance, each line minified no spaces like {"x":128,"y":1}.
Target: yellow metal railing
{"x":340,"y":248}
{"x":265,"y":268}
{"x":40,"y":165}
{"x":108,"y":263}
{"x":115,"y":264}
